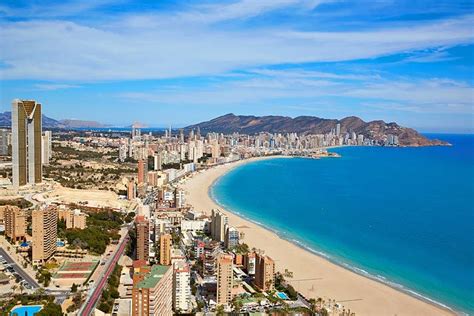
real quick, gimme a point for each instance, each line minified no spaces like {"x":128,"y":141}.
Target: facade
{"x":142,"y":171}
{"x":165,"y":249}
{"x":15,"y":222}
{"x":218,"y":224}
{"x":264,"y":273}
{"x":152,"y":293}
{"x":225,"y":277}
{"x":250,"y":263}
{"x":46,"y":148}
{"x":181,"y":286}
{"x":143,"y":238}
{"x":4,"y":135}
{"x":231,"y":237}
{"x":44,"y":227}
{"x":74,"y":219}
{"x":131,"y":190}
{"x":26,"y":142}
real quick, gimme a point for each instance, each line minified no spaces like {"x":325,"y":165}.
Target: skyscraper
{"x":225,"y":277}
{"x":181,"y":286}
{"x":231,"y":237}
{"x":165,"y":249}
{"x":264,"y":273}
{"x":15,"y":222}
{"x":44,"y":227}
{"x":218,"y":223}
{"x":26,"y":142}
{"x":4,"y":142}
{"x":143,"y":238}
{"x":142,"y":171}
{"x":152,"y":293}
{"x":46,"y":148}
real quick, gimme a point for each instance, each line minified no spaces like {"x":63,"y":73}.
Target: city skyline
{"x":183,"y":63}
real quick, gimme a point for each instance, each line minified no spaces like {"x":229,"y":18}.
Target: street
{"x":19,"y":270}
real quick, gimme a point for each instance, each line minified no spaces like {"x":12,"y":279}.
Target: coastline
{"x":358,"y":291}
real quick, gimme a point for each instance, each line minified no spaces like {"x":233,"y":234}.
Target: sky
{"x":182,"y":62}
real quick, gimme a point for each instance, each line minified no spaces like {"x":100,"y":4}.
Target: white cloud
{"x":54,"y":86}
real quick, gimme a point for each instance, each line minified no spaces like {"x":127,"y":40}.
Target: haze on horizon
{"x":182,"y":62}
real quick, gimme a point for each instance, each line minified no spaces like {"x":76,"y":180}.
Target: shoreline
{"x":353,"y":287}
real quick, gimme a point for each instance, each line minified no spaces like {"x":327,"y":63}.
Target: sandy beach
{"x":360,"y":294}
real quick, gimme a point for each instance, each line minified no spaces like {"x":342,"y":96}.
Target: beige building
{"x":264,"y":273}
{"x":74,"y":219}
{"x":152,"y":293}
{"x":218,"y":224}
{"x":181,"y":286}
{"x":44,"y":228}
{"x":165,"y":249}
{"x":143,"y":238}
{"x":225,"y":277}
{"x":14,"y":219}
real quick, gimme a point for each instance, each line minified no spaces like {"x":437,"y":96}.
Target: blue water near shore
{"x":402,"y":215}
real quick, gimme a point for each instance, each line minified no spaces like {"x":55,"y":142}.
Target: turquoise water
{"x":26,"y":310}
{"x":402,"y":215}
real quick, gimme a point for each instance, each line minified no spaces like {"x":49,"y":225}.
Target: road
{"x":96,"y":291}
{"x":19,"y":270}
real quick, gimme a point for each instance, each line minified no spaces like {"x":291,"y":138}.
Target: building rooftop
{"x":155,"y":275}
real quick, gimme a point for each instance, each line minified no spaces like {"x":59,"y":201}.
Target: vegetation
{"x":102,"y":227}
{"x":21,"y":203}
{"x":44,"y":276}
{"x":38,"y":298}
{"x":282,"y":286}
{"x":242,"y":249}
{"x":50,"y":309}
{"x":111,"y":292}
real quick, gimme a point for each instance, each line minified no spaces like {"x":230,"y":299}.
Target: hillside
{"x":376,"y":130}
{"x":5,"y":121}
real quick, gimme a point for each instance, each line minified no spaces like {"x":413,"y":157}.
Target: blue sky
{"x":181,"y":62}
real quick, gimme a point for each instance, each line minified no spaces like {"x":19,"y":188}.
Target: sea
{"x":403,"y":216}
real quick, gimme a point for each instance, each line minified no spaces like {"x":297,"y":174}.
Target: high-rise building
{"x":15,"y":222}
{"x":218,"y":222}
{"x":264,"y":273}
{"x":152,"y":293}
{"x":74,"y":219}
{"x":131,"y":190}
{"x":250,"y":263}
{"x":181,"y":286}
{"x":143,"y":238}
{"x":26,"y":142}
{"x":4,"y":134}
{"x":44,"y":227}
{"x":338,"y":129}
{"x":225,"y":277}
{"x":142,"y":171}
{"x":165,"y":249}
{"x":46,"y":147}
{"x":231,"y":237}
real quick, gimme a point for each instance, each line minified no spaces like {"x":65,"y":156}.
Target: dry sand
{"x":360,"y":294}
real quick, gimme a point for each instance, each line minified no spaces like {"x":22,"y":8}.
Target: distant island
{"x":306,"y":125}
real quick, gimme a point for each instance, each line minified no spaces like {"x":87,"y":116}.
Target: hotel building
{"x":46,"y":148}
{"x":152,"y":293}
{"x":231,"y":237}
{"x":15,"y":222}
{"x":264,"y":273}
{"x":74,"y":219}
{"x":181,"y":286}
{"x":143,"y":238}
{"x":44,"y":227}
{"x":142,"y":171}
{"x":218,"y":224}
{"x":26,"y":142}
{"x":165,"y":249}
{"x":225,"y":277}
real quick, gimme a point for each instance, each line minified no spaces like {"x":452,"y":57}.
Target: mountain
{"x":6,"y":121}
{"x":71,"y":123}
{"x":376,"y":130}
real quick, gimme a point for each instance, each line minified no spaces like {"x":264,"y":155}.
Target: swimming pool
{"x":283,"y":296}
{"x":26,"y":310}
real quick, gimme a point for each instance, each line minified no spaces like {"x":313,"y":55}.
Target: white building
{"x":181,"y":287}
{"x":192,"y":225}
